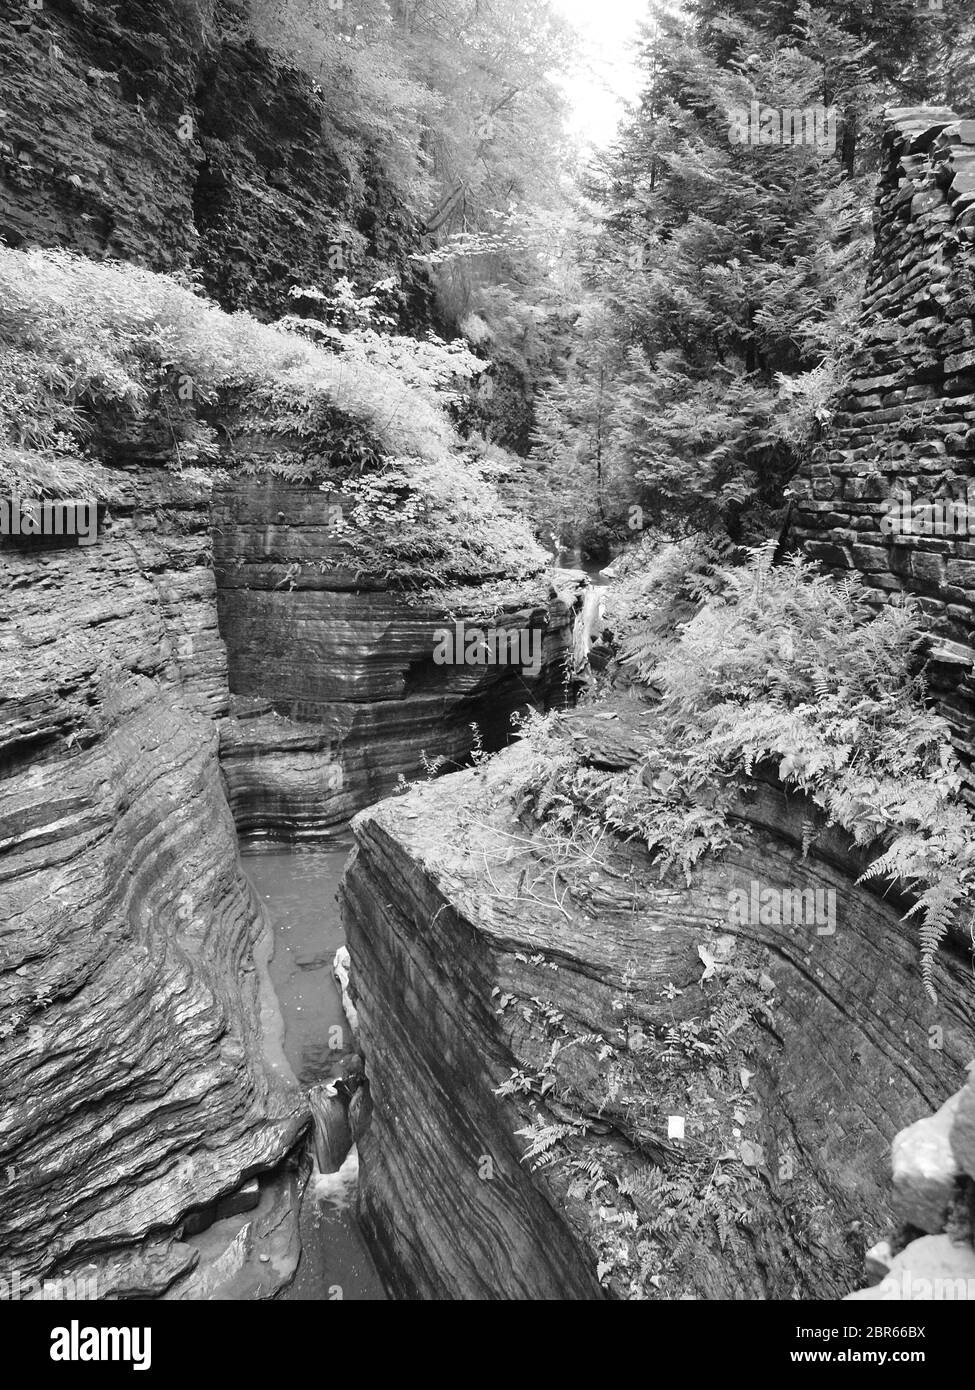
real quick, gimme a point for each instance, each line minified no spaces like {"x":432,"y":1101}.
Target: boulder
{"x":930,"y":1269}
{"x":925,"y":1170}
{"x":878,"y":1260}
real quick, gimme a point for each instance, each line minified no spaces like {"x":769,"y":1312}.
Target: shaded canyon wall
{"x":143,"y":1082}
{"x":158,"y":131}
{"x":136,"y":1026}
{"x":336,"y":691}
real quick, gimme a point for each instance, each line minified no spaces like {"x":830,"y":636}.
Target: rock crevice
{"x":136,"y":1085}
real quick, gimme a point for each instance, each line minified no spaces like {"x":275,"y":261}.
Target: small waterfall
{"x":333,"y":1137}
{"x":588,"y":625}
{"x":342,"y":971}
{"x":338,"y":1190}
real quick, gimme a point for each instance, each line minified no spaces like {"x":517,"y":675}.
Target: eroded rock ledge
{"x":336,"y":692}
{"x":792,"y":1066}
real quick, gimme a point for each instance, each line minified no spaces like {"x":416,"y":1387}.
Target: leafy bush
{"x":661,"y":584}
{"x":36,"y":473}
{"x":429,"y":365}
{"x":785,"y":669}
{"x":437,"y":524}
{"x":88,"y":348}
{"x":80,"y":336}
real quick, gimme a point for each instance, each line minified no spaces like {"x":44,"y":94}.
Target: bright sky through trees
{"x":607,"y":75}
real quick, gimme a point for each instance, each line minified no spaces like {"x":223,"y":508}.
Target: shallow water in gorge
{"x":297,"y":886}
{"x":593,"y":569}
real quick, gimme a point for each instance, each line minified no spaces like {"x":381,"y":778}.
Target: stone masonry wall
{"x":907,"y":422}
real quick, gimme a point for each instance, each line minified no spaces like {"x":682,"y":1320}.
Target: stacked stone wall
{"x":890,"y":492}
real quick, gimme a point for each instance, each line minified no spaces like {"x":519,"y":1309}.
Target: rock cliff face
{"x":709,"y":1105}
{"x":905,"y":427}
{"x":157,"y":131}
{"x":336,"y":691}
{"x":143,"y":1087}
{"x":135,"y":1020}
{"x":486,"y":957}
{"x":143,"y":1084}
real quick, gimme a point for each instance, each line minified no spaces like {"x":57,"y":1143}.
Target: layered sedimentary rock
{"x":136,"y":1024}
{"x":160,"y":132}
{"x":143,"y":1082}
{"x":337,"y":693}
{"x":712,"y":1102}
{"x":906,"y":425}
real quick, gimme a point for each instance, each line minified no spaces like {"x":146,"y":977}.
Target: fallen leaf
{"x":710,"y":965}
{"x":751,"y":1154}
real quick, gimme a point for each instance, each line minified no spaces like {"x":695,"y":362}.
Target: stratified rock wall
{"x":134,"y":1082}
{"x":907,"y":422}
{"x":134,"y":1034}
{"x":450,"y":1210}
{"x":336,"y":691}
{"x":486,"y":957}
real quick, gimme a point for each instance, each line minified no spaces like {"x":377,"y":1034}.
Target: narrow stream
{"x":297,"y":886}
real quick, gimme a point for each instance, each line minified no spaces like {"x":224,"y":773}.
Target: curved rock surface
{"x":133,"y":1009}
{"x":721,"y":1096}
{"x":143,"y":1083}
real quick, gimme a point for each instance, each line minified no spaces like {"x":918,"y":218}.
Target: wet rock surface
{"x":135,"y":1085}
{"x":144,"y":1084}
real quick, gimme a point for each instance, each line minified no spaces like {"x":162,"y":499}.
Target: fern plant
{"x":786,"y":669}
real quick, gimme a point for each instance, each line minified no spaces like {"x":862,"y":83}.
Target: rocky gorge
{"x":581,"y":973}
{"x":215,"y":665}
{"x":337,"y":694}
{"x":561,"y":992}
{"x":569,"y":1071}
{"x":125,"y":759}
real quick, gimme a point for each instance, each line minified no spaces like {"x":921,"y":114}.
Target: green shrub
{"x":95,"y":335}
{"x":88,"y":348}
{"x":785,"y":669}
{"x":437,"y":524}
